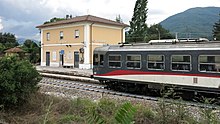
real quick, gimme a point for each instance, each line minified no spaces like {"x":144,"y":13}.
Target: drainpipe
{"x":123,"y":35}
{"x":91,"y":51}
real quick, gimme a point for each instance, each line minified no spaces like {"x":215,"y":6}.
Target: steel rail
{"x":101,"y":89}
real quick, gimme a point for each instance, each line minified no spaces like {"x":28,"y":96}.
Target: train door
{"x":47,"y":58}
{"x":98,"y":63}
{"x":76,"y":59}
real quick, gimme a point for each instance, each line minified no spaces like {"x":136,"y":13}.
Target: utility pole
{"x":176,"y":35}
{"x":158,"y":33}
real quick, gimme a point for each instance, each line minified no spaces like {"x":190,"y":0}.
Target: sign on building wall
{"x":70,"y":55}
{"x":61,"y":52}
{"x":54,"y":57}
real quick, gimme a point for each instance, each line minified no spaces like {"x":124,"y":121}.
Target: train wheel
{"x":101,"y":81}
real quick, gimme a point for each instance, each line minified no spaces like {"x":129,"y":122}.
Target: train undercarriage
{"x":161,"y":90}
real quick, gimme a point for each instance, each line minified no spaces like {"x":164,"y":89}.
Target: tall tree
{"x":156,"y":31}
{"x":216,"y":30}
{"x":138,"y":26}
{"x":55,"y":19}
{"x":118,"y":19}
{"x":33,"y":49}
{"x":7,"y":40}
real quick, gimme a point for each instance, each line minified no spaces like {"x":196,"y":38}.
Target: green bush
{"x":144,"y":115}
{"x":18,"y":79}
{"x":107,"y":108}
{"x":125,"y":114}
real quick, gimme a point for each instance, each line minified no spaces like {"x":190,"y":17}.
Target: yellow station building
{"x":70,"y":42}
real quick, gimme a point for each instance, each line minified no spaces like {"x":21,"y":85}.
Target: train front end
{"x":99,"y":56}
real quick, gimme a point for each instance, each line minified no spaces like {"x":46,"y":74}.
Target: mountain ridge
{"x":193,"y":23}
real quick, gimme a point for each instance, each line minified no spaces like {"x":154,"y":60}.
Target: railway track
{"x":72,"y":84}
{"x":94,"y":87}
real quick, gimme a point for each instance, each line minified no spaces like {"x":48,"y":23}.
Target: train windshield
{"x":95,"y":59}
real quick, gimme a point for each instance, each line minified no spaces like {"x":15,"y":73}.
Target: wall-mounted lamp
{"x":81,"y":50}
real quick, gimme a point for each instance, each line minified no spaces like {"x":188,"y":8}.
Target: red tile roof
{"x":86,"y":18}
{"x":14,"y":50}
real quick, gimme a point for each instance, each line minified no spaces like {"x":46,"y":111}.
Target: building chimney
{"x":67,"y":16}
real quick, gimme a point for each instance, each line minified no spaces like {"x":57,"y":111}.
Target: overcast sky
{"x":22,"y":16}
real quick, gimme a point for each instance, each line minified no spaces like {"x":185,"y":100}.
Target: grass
{"x":46,"y":109}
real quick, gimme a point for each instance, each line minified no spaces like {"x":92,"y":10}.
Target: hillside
{"x":193,"y":23}
{"x":22,"y":40}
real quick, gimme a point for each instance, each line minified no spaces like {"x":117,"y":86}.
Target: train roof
{"x":211,"y":45}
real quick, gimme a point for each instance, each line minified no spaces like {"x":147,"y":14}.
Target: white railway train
{"x":192,"y":66}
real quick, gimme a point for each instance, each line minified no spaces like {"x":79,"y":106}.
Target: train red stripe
{"x":130,"y":72}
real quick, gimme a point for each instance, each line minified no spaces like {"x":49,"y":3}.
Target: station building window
{"x":155,"y":62}
{"x":114,"y":61}
{"x":76,"y":33}
{"x":61,"y":35}
{"x":133,"y":61}
{"x":181,"y":62}
{"x":48,"y":36}
{"x":209,"y":63}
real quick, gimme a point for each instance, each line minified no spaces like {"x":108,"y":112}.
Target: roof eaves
{"x":87,"y":18}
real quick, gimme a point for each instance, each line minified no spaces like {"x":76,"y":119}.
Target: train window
{"x":133,"y":61}
{"x":155,"y":62}
{"x":209,"y":63}
{"x":114,"y":61}
{"x":181,"y":62}
{"x":95,"y":59}
{"x":101,"y":59}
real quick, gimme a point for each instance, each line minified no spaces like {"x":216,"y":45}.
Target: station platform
{"x":65,"y":71}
